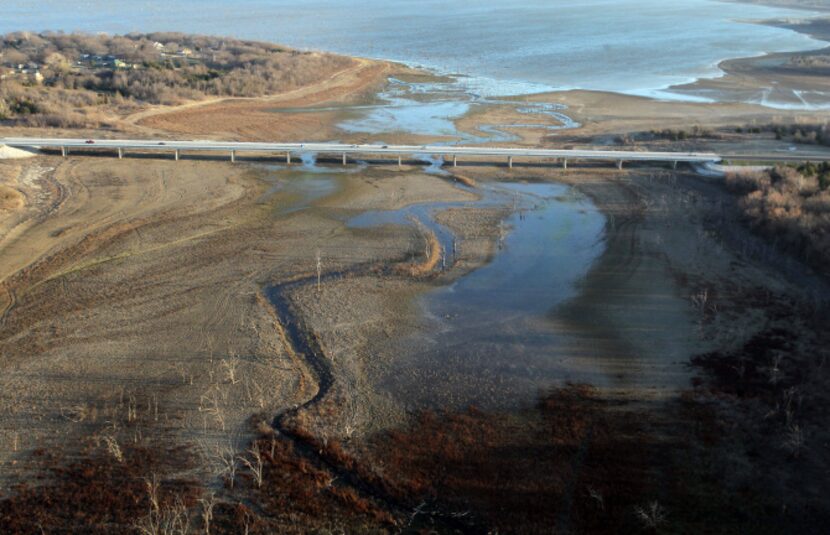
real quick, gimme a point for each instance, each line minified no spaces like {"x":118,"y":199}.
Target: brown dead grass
{"x":524,"y":472}
{"x":298,"y":494}
{"x":10,"y":198}
{"x":528,"y":473}
{"x":430,"y":261}
{"x":467,"y":181}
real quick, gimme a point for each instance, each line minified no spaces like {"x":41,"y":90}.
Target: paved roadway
{"x":345,"y":149}
{"x":776,"y":157}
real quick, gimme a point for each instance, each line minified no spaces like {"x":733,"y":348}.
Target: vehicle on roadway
{"x":90,"y":142}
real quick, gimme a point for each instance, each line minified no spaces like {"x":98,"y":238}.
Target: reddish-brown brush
{"x":96,"y":493}
{"x":576,"y":460}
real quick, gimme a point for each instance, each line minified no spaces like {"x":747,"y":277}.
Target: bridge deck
{"x":344,"y":149}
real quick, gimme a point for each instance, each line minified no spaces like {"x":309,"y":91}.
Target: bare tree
{"x":173,"y":520}
{"x":652,"y":516}
{"x":319,"y":269}
{"x":207,"y":503}
{"x":113,"y":448}
{"x":794,"y":440}
{"x":222,"y":459}
{"x":231,"y":365}
{"x":253,"y":462}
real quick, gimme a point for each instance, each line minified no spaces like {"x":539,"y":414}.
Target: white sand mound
{"x":10,"y":153}
{"x":716,"y":170}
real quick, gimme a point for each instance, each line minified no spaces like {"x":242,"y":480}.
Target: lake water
{"x":631,"y":46}
{"x":488,"y":342}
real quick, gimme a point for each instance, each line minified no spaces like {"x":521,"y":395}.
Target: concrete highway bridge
{"x":451,"y":153}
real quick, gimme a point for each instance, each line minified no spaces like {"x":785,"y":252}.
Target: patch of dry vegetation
{"x":433,"y":253}
{"x":79,"y":80}
{"x":10,"y":198}
{"x":467,"y":181}
{"x":110,"y":489}
{"x":295,"y":494}
{"x":791,"y":207}
{"x":575,"y":462}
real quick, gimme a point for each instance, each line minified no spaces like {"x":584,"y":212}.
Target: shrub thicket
{"x":696,"y":132}
{"x":67,"y":80}
{"x":791,"y":206}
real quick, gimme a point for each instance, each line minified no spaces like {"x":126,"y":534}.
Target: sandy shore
{"x":602,"y":113}
{"x":795,"y":85}
{"x":784,"y":80}
{"x":812,"y":5}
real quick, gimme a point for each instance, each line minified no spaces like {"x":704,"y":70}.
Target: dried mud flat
{"x":163,"y":328}
{"x":254,"y":118}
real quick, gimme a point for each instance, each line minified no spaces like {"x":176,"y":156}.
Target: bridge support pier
{"x":549,"y":157}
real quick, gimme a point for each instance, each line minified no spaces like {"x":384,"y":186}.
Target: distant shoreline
{"x":735,"y":96}
{"x":806,"y":5}
{"x":739,"y":76}
{"x":790,"y":86}
{"x":654,"y":77}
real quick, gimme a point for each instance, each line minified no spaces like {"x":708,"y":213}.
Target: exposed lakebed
{"x":432,"y":109}
{"x":487,"y":339}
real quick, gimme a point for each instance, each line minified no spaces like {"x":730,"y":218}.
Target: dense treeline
{"x":813,"y":134}
{"x":791,"y":206}
{"x":69,"y":80}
